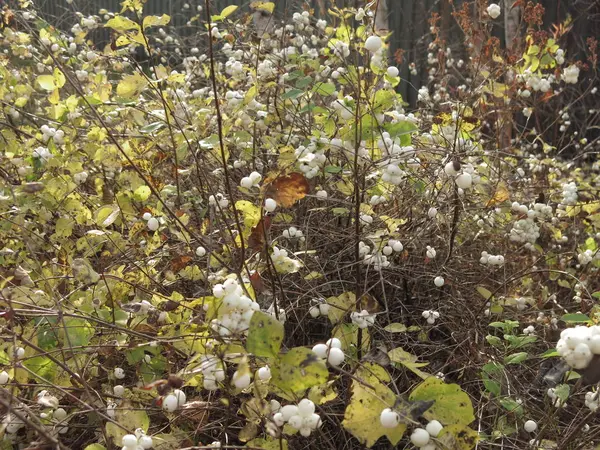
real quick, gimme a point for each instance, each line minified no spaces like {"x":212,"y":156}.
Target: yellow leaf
{"x":340,"y":305}
{"x":408,"y":360}
{"x":121,"y":24}
{"x":228,"y":11}
{"x":263,"y":6}
{"x":46,"y":82}
{"x":131,"y":85}
{"x":361,"y":418}
{"x":153,"y":21}
{"x":500,"y":196}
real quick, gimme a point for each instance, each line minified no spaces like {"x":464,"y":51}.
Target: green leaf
{"x":42,"y":366}
{"x":550,"y":353}
{"x":229,"y":10}
{"x":142,"y":193}
{"x":515,"y":358}
{"x":129,"y":417}
{"x":408,"y":360}
{"x":484,"y":292}
{"x":324,"y":88}
{"x":512,"y":406}
{"x":292,"y":94}
{"x":361,"y":418}
{"x":152,"y":127}
{"x":298,"y":370}
{"x":265,"y":335}
{"x":575,"y":318}
{"x":395,"y":328}
{"x":106,"y":215}
{"x":452,"y":405}
{"x":340,"y":305}
{"x":78,"y":332}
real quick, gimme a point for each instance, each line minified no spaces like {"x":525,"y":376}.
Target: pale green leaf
{"x":452,"y":405}
{"x":265,"y":335}
{"x":340,"y":305}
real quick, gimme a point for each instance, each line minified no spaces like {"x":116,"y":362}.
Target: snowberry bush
{"x":263,"y":245}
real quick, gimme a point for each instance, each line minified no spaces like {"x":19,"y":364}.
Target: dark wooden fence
{"x":408,"y":20}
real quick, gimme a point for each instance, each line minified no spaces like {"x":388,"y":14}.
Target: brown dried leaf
{"x":180,"y":262}
{"x":256,"y":241}
{"x":288,"y":189}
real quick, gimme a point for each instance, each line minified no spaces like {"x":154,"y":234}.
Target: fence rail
{"x":408,"y":21}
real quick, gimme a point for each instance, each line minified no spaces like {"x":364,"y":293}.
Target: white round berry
{"x":393,"y":71}
{"x":119,"y":390}
{"x":119,"y":373}
{"x":59,"y":414}
{"x":246,"y":182}
{"x":129,"y":441}
{"x":464,"y":180}
{"x":434,"y":427}
{"x":288,"y":411}
{"x":4,"y":377}
{"x":334,"y":342}
{"x":264,"y":373}
{"x":147,"y":216}
{"x":321,"y":195}
{"x":153,"y":224}
{"x":145,"y":442}
{"x":336,"y":356}
{"x":314,"y":312}
{"x":180,"y":396}
{"x":270,"y":205}
{"x":324,"y":308}
{"x":373,"y":43}
{"x":419,"y":437}
{"x":170,"y":403}
{"x":320,"y":350}
{"x":432,"y":212}
{"x":389,"y":418}
{"x":200,"y":251}
{"x":241,"y":381}
{"x":306,"y":407}
{"x":530,"y":426}
{"x":450,"y":170}
{"x":439,"y":281}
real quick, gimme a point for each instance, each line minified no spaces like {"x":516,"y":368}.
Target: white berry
{"x":153,"y":224}
{"x":336,"y":356}
{"x":530,"y":426}
{"x":119,"y":373}
{"x":439,"y":281}
{"x":129,"y":441}
{"x":270,"y":205}
{"x":434,"y":427}
{"x":420,"y":437}
{"x":389,"y":418}
{"x":264,"y":373}
{"x":373,"y":43}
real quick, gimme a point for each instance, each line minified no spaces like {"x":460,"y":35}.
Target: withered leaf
{"x":288,"y":189}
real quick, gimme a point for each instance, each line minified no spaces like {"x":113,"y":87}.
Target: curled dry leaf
{"x":288,"y":189}
{"x":256,"y":241}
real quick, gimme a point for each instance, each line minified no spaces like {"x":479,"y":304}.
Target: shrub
{"x":263,"y":247}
